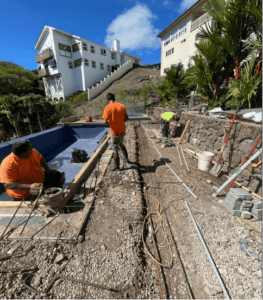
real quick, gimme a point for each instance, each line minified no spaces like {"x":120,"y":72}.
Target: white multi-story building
{"x":68,"y":63}
{"x":179,"y":38}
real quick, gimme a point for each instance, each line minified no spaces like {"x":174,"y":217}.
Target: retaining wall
{"x":207,"y":134}
{"x":95,"y":91}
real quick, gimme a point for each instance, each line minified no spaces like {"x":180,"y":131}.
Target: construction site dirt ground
{"x":144,"y":203}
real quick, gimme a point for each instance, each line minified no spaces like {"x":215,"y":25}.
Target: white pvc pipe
{"x":238,"y":172}
{"x":208,"y":255}
{"x":170,"y":167}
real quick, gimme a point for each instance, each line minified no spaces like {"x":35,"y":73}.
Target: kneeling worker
{"x":115,"y":115}
{"x":166,"y":118}
{"x":21,"y":172}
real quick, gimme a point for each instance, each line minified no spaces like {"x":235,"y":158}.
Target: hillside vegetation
{"x":24,"y":110}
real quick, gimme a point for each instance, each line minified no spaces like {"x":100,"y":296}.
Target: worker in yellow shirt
{"x":166,"y":118}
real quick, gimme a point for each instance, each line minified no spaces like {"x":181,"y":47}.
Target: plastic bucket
{"x":204,"y":160}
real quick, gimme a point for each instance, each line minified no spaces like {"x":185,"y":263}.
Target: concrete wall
{"x":207,"y":134}
{"x":94,"y":91}
{"x":183,"y":51}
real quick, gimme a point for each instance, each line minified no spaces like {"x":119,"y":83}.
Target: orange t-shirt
{"x":21,"y":170}
{"x":115,"y":112}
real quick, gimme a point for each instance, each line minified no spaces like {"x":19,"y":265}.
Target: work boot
{"x":125,"y":155}
{"x":116,"y":166}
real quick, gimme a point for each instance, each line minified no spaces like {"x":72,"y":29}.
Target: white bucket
{"x":204,"y":160}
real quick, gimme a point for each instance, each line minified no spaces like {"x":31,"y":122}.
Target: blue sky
{"x":135,"y":23}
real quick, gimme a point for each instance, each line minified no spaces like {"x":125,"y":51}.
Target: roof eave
{"x":179,"y":18}
{"x":40,"y":36}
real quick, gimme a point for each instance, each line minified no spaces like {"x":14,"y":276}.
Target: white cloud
{"x":166,"y":3}
{"x":185,"y":5}
{"x":134,"y":29}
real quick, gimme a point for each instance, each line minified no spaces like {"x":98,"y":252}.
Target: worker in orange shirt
{"x":21,"y":172}
{"x":115,"y":115}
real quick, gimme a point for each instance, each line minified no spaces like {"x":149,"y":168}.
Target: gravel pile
{"x":111,"y":255}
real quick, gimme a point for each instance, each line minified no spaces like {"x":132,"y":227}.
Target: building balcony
{"x":43,"y":72}
{"x":45,"y":55}
{"x":200,"y":21}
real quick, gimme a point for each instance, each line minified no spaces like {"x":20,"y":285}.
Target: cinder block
{"x":247,"y":203}
{"x":236,"y":213}
{"x":256,"y":211}
{"x":257,"y":217}
{"x":240,"y":193}
{"x":232,"y":198}
{"x":257,"y":203}
{"x":246,"y":215}
{"x":235,"y":202}
{"x":245,"y":208}
{"x":234,"y":207}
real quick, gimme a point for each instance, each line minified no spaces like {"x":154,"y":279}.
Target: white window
{"x":112,"y":56}
{"x":85,"y":46}
{"x":77,"y":62}
{"x":174,"y":34}
{"x":86,"y":62}
{"x":182,"y":41}
{"x":93,"y":63}
{"x":92,"y":49}
{"x":70,"y":64}
{"x":101,"y":66}
{"x":103,"y":52}
{"x":167,"y":39}
{"x":108,"y":67}
{"x":182,"y":28}
{"x":136,"y":61}
{"x":169,"y":52}
{"x":64,"y":50}
{"x":166,"y":69}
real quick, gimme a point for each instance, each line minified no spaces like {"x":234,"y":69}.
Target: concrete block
{"x":256,"y":211}
{"x":240,"y":193}
{"x":257,"y":203}
{"x":245,"y":208}
{"x":236,"y":213}
{"x":235,"y":202}
{"x":246,"y":215}
{"x":257,"y":217}
{"x":234,"y":207}
{"x":247,"y":203}
{"x":232,"y":197}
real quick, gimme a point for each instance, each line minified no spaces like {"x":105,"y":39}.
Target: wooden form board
{"x":70,"y":223}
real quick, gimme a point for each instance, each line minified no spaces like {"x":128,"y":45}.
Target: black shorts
{"x":52,"y":180}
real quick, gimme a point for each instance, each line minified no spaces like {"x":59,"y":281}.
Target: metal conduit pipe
{"x":209,"y":255}
{"x":170,"y":167}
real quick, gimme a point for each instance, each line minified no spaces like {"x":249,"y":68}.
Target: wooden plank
{"x":69,"y":191}
{"x":179,"y":156}
{"x":184,"y":160}
{"x":186,"y":126}
{"x":15,"y":204}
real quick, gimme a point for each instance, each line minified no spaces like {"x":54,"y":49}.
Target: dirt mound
{"x":130,"y":81}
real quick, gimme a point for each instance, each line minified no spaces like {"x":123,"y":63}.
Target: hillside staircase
{"x":100,"y":87}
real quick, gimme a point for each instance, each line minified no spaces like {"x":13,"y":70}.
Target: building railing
{"x":43,"y":72}
{"x":47,"y":54}
{"x":201,"y":20}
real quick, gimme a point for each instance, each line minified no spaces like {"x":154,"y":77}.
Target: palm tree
{"x":175,"y":76}
{"x":254,"y":9}
{"x":246,"y":86}
{"x":233,"y":28}
{"x":216,"y":60}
